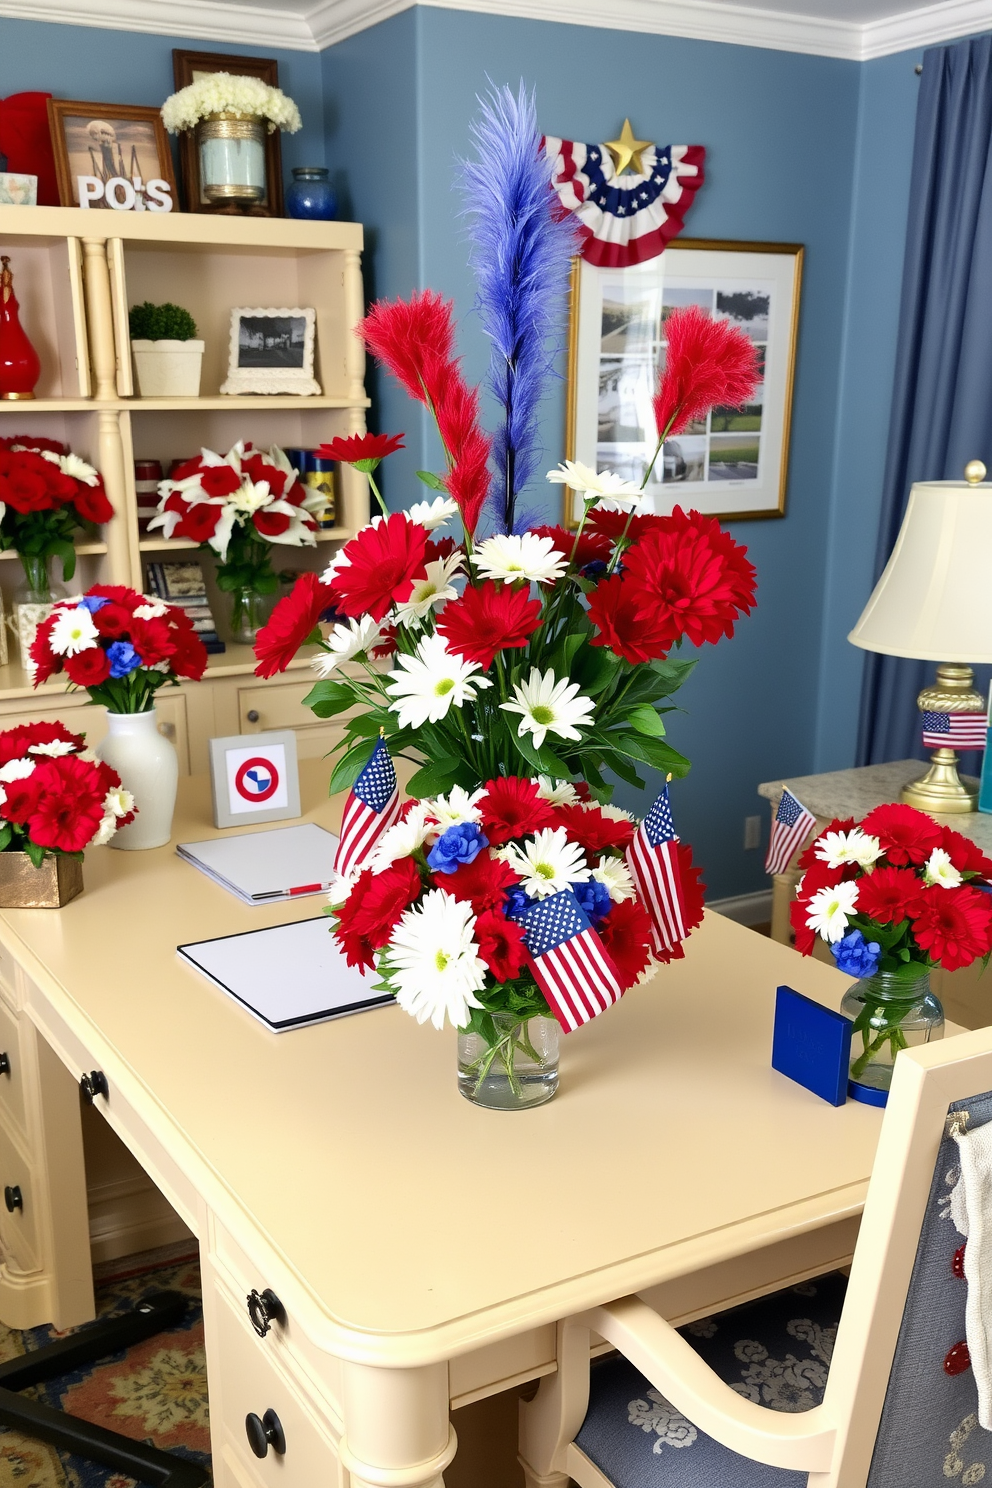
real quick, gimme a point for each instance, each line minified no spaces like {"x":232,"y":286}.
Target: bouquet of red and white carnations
{"x":46,"y":493}
{"x":53,"y":799}
{"x":121,"y":646}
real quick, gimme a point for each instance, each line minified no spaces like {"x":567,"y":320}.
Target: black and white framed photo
{"x":734,"y":463}
{"x":272,"y":351}
{"x":254,"y":778}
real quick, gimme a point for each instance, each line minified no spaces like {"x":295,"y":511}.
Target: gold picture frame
{"x":735,"y":466}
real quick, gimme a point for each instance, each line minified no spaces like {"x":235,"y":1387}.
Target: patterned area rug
{"x":155,"y":1392}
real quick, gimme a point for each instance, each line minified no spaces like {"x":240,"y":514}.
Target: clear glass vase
{"x":249,"y":612}
{"x":515,"y":1069}
{"x":890,"y":1013}
{"x":32,"y":603}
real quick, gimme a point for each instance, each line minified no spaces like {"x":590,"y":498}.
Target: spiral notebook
{"x":287,"y":976}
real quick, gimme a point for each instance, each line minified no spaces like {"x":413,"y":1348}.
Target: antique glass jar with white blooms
{"x":231,"y":116}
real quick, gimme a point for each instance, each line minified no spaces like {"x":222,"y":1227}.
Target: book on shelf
{"x":183,"y":585}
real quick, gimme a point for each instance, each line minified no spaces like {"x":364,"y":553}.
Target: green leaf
{"x":66,"y":553}
{"x":434,"y":778}
{"x":543,"y":760}
{"x":433,"y":481}
{"x":327,"y":698}
{"x":349,"y":767}
{"x":594,"y":669}
{"x":366,"y":725}
{"x":6,"y":835}
{"x":646,"y":721}
{"x":654,"y":752}
{"x":671,"y":673}
{"x":620,"y":767}
{"x":34,"y":852}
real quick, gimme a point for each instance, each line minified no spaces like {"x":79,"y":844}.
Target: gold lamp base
{"x":941,"y":790}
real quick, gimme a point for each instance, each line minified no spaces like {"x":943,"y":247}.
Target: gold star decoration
{"x":626,"y":150}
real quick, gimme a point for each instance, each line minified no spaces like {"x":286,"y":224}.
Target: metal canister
{"x":320,"y":475}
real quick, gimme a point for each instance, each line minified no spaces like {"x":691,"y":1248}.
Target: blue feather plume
{"x":521,"y":252}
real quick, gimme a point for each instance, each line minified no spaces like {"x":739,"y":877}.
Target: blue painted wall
{"x":128,"y":67}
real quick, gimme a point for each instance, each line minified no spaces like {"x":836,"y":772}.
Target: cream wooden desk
{"x":423,"y":1249}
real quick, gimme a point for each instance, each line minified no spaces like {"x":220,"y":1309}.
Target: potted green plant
{"x":167,"y":355}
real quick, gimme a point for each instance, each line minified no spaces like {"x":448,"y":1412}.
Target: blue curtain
{"x":942,"y":398}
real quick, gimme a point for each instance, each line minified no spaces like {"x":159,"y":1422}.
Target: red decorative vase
{"x":20,"y":367}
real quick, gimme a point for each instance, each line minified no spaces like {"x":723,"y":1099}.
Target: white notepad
{"x":287,"y":976}
{"x":260,"y":867}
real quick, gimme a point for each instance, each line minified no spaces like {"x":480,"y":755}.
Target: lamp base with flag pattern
{"x":953,"y":718}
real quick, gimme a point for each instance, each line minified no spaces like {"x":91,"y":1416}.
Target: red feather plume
{"x":708,"y":363}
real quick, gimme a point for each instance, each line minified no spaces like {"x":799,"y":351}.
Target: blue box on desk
{"x":811,"y":1044}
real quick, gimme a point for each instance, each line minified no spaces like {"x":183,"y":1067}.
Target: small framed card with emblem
{"x":254,"y":778}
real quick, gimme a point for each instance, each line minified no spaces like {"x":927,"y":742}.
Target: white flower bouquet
{"x":225,"y":93}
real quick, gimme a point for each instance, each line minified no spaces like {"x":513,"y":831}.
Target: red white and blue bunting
{"x":629,"y":218}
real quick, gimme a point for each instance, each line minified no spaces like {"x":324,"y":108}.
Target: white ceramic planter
{"x":149,"y":768}
{"x":168,"y":369}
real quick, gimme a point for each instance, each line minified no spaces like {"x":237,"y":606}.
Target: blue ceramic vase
{"x":311,"y":195}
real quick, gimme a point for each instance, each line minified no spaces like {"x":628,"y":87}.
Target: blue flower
{"x":855,"y":956}
{"x":594,"y":897}
{"x":461,"y":843}
{"x":122,"y":657}
{"x":92,"y":602}
{"x":517,"y":902}
{"x":594,"y":570}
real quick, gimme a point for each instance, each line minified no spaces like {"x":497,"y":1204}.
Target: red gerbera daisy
{"x":954,"y":926}
{"x":363,"y":450}
{"x":593,"y":830}
{"x":691,"y":579}
{"x":292,"y":620}
{"x":594,"y":546}
{"x":68,"y":806}
{"x":889,"y":895}
{"x":906,"y":835}
{"x":501,"y":944}
{"x":966,"y":855}
{"x":219,"y":480}
{"x":626,"y":934}
{"x":382,"y":900}
{"x":512,"y":807}
{"x":707,"y":362}
{"x":483,"y":882}
{"x":614,"y":611}
{"x":383,"y":563}
{"x":88,"y":668}
{"x":489,"y":618}
{"x":611,"y":524}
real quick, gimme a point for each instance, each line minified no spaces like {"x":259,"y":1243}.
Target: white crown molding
{"x":705,"y":20}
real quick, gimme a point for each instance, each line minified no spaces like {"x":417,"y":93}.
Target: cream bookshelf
{"x":76,"y":273}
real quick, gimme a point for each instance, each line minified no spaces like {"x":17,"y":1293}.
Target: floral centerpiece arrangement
{"x":239,"y":505}
{"x":230,"y":116}
{"x":122,"y":647}
{"x":46,"y":494}
{"x":54,"y":802}
{"x":894,"y":897}
{"x":527,"y":666}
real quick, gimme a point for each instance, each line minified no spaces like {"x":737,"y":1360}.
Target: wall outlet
{"x":752,"y":832}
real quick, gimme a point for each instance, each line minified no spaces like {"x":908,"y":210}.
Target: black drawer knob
{"x":265,"y":1433}
{"x":264,"y":1309}
{"x":94,"y":1084}
{"x":4,"y":1064}
{"x":13,"y":1198}
{"x":253,"y":715}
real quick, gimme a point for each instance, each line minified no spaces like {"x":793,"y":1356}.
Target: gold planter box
{"x":23,"y":886}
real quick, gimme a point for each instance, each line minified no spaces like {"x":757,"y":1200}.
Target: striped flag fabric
{"x":954,"y":730}
{"x":571,"y":964}
{"x":792,"y":825}
{"x":372,"y":805}
{"x":654,"y":866}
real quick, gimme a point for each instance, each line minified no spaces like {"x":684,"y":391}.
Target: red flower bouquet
{"x":893,"y":897}
{"x":52,"y":799}
{"x":47,"y":493}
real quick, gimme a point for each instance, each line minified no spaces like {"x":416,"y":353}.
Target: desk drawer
{"x":252,"y":1381}
{"x":19,"y":1229}
{"x":12,"y":1083}
{"x":280,"y":705}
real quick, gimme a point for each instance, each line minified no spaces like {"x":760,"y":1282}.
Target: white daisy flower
{"x":341,"y":885}
{"x":104,"y":832}
{"x":151,"y":610}
{"x":429,"y":592}
{"x":557,"y":792}
{"x":837,"y":848}
{"x":828,"y":910}
{"x":430,"y":682}
{"x":345,"y":642}
{"x":18,"y":769}
{"x":547,"y":863}
{"x":615,"y":813}
{"x":54,"y":749}
{"x":434,"y":960}
{"x":73,"y":466}
{"x":512,"y":557}
{"x":338,"y":561}
{"x":431,"y":514}
{"x":547,"y":704}
{"x":73,"y":632}
{"x":598,"y":484}
{"x":457,"y":806}
{"x":938,"y":869}
{"x":614,"y":873}
{"x":118,"y":802}
{"x":403,"y":839}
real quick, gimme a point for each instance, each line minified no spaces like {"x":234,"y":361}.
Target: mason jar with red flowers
{"x":893,"y":897}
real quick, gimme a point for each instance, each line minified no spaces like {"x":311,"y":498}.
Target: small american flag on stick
{"x":954,"y":730}
{"x":371,"y":807}
{"x":654,"y":865}
{"x":570,"y":962}
{"x":792,"y":825}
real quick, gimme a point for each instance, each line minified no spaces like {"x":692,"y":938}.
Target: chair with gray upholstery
{"x":834,"y":1384}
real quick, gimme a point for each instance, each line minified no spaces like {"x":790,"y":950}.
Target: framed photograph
{"x":107,"y":142}
{"x":188,"y":67}
{"x":254,"y":778}
{"x":734,"y":463}
{"x":272,"y":351}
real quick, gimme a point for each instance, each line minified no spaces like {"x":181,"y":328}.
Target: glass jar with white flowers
{"x":231,"y":115}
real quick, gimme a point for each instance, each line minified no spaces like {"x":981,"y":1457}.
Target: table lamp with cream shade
{"x":934,"y":603}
